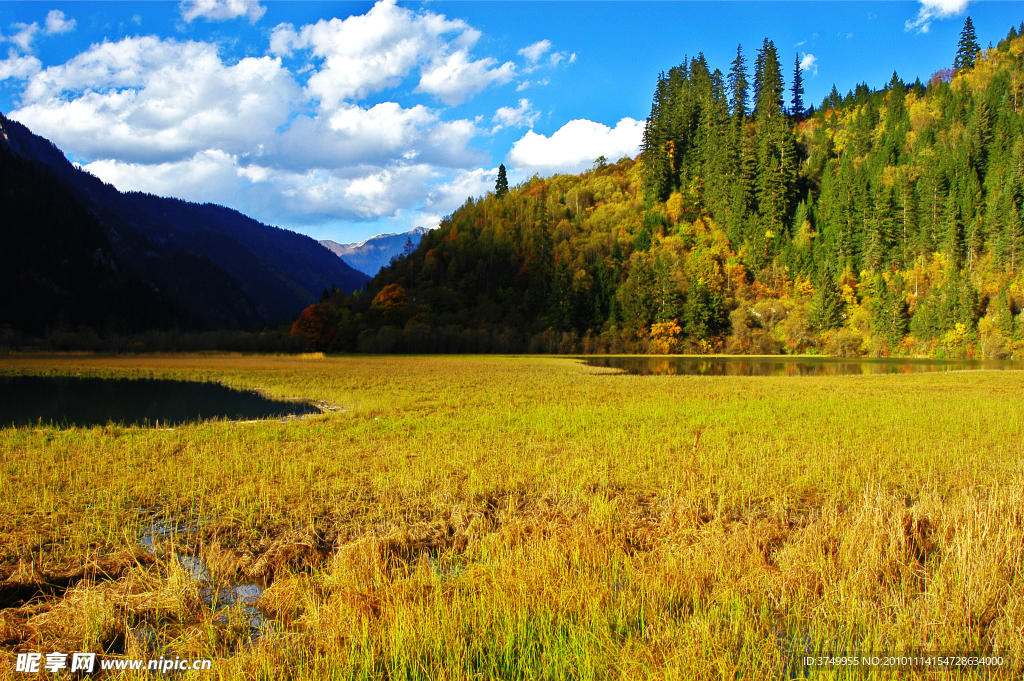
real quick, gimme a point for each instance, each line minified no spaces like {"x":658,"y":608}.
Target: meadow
{"x":522,"y":518}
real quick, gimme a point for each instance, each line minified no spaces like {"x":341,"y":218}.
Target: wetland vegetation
{"x":520,"y":518}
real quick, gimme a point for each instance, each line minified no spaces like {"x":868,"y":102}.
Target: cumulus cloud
{"x":448,"y":196}
{"x":934,"y":9}
{"x":534,"y":52}
{"x":575,"y":145}
{"x":146,"y":100}
{"x":294,"y":198}
{"x":20,"y":68}
{"x":367,"y":53}
{"x":151,"y":100}
{"x":221,"y":10}
{"x":521,"y":117}
{"x":56,"y":22}
{"x":809,"y":63}
{"x":456,"y":77}
{"x":25,"y":35}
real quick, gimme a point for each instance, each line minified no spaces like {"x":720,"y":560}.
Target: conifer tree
{"x":657,"y":179}
{"x":775,"y":150}
{"x":738,"y":84}
{"x":967,"y":48}
{"x":501,"y":186}
{"x":797,"y":108}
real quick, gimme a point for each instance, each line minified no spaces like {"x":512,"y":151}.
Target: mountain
{"x":888,"y":222}
{"x":58,"y":267}
{"x":226,"y":269}
{"x":371,"y":255}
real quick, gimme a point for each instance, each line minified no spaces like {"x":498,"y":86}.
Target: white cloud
{"x":294,"y":198}
{"x":221,"y":10}
{"x":384,"y":133}
{"x":521,"y":117}
{"x":934,"y":9}
{"x":575,"y":145}
{"x":151,"y":100}
{"x":448,"y":196}
{"x":456,"y":77}
{"x":57,"y":23}
{"x":809,"y":63}
{"x":20,"y":68}
{"x":528,"y":84}
{"x":534,"y":52}
{"x":371,"y":52}
{"x":25,"y":35}
{"x":558,"y":57}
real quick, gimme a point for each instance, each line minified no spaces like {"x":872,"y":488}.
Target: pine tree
{"x":501,"y":186}
{"x":797,"y":108}
{"x":967,"y":48}
{"x":827,"y":304}
{"x":738,"y":84}
{"x":657,"y":178}
{"x":775,"y":149}
{"x":835,"y":100}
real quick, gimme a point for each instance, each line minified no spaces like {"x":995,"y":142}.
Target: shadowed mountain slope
{"x":229,"y":270}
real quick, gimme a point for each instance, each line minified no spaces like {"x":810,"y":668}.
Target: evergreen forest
{"x":880,"y":222}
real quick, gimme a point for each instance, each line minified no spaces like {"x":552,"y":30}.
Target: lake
{"x":76,"y":401}
{"x":789,"y":366}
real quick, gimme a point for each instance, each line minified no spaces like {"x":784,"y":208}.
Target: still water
{"x":67,"y":401}
{"x":788,"y":366}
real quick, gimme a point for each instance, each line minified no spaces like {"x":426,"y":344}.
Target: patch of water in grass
{"x":78,"y":401}
{"x":220,"y":597}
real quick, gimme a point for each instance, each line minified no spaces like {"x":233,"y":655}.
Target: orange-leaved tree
{"x":665,"y":336}
{"x":319,"y":327}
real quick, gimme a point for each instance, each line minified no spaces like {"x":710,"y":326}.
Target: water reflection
{"x":786,"y":366}
{"x":66,"y":401}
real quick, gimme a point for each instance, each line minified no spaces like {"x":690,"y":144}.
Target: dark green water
{"x":73,"y":401}
{"x":788,"y":366}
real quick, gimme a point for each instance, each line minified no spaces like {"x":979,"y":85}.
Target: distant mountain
{"x":222,"y":267}
{"x":377,"y":251}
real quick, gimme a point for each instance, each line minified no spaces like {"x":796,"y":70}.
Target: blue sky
{"x":344,"y":120}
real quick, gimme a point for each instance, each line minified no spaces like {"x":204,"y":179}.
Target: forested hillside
{"x":884,"y":222}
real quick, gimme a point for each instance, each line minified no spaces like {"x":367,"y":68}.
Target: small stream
{"x":219,"y":597}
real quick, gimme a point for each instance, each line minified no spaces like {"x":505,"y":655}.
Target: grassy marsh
{"x":523,"y":517}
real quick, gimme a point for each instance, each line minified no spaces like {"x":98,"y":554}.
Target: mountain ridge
{"x":230,"y":270}
{"x":377,"y":251}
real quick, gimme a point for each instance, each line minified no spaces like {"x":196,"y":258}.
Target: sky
{"x":342,"y":120}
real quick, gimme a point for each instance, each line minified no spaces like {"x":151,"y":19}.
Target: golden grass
{"x":528,"y":518}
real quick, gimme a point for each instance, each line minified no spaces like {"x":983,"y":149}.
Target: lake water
{"x":67,"y":400}
{"x":788,"y":366}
